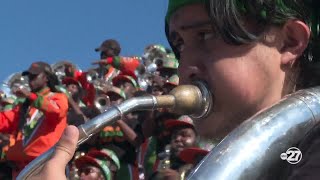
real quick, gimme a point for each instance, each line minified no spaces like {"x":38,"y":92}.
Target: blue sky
{"x":57,"y":30}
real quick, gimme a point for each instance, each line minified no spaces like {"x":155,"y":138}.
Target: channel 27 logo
{"x":293,"y":155}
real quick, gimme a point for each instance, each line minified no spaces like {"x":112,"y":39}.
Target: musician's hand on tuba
{"x":54,"y":169}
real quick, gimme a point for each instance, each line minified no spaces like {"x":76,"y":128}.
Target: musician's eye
{"x":179,"y":46}
{"x":177,"y":41}
{"x":205,"y":35}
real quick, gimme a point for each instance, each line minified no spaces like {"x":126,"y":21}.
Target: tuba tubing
{"x":252,"y":151}
{"x":185,"y":99}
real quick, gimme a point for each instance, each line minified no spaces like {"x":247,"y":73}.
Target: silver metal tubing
{"x":252,"y":151}
{"x":94,"y":126}
{"x":186,"y":99}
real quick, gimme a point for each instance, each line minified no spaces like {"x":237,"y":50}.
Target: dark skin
{"x":36,"y":82}
{"x":128,"y":132}
{"x":182,"y":137}
{"x":104,"y":55}
{"x":168,"y":87}
{"x":90,"y":172}
{"x":73,"y":100}
{"x":103,"y":65}
{"x":73,"y":89}
{"x":107,"y":53}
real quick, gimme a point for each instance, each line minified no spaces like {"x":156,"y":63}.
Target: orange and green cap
{"x":174,"y":5}
{"x":128,"y":78}
{"x":155,"y":46}
{"x":116,"y":90}
{"x":106,"y":153}
{"x":86,"y":160}
{"x":173,"y":80}
{"x":170,"y":62}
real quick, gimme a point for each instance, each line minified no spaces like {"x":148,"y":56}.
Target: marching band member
{"x":91,"y":168}
{"x":111,"y":159}
{"x":127,"y":83}
{"x":38,"y":123}
{"x":251,"y":54}
{"x":110,"y":56}
{"x":183,"y":135}
{"x":75,"y":94}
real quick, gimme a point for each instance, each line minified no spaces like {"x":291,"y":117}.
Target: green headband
{"x":105,"y":169}
{"x":174,"y":5}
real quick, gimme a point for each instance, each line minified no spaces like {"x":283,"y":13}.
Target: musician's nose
{"x":191,"y":67}
{"x":189,"y":74}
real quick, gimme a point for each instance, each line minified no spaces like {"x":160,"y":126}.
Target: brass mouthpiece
{"x":194,"y":100}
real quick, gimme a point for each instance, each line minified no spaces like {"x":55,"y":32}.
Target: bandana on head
{"x":174,"y":5}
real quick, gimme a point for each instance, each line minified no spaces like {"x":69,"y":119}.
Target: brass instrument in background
{"x":101,"y":85}
{"x":153,"y":52}
{"x":59,"y":69}
{"x":74,"y":171}
{"x":251,"y":151}
{"x":102,"y":102}
{"x":8,"y":88}
{"x":97,"y":80}
{"x":14,"y":82}
{"x":145,"y":75}
{"x":194,"y":100}
{"x":151,"y":59}
{"x":185,"y":170}
{"x":92,"y":76}
{"x":164,"y":157}
{"x":164,"y":163}
{"x":2,"y":94}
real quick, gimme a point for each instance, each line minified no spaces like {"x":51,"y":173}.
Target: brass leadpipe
{"x":194,"y":100}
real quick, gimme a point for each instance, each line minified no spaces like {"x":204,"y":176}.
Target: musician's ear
{"x":295,"y":36}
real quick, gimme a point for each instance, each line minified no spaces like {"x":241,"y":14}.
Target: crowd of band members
{"x":142,"y":145}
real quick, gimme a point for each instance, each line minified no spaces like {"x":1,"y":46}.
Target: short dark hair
{"x":227,"y":19}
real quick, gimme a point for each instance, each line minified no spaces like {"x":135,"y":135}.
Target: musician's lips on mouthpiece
{"x":211,"y":96}
{"x":207,"y":98}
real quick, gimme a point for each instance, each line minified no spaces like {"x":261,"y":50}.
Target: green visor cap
{"x":174,"y":5}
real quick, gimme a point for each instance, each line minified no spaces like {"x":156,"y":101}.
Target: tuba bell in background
{"x":92,"y":76}
{"x":59,"y":68}
{"x":102,"y":102}
{"x":14,"y":81}
{"x":152,"y":58}
{"x":101,"y":86}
